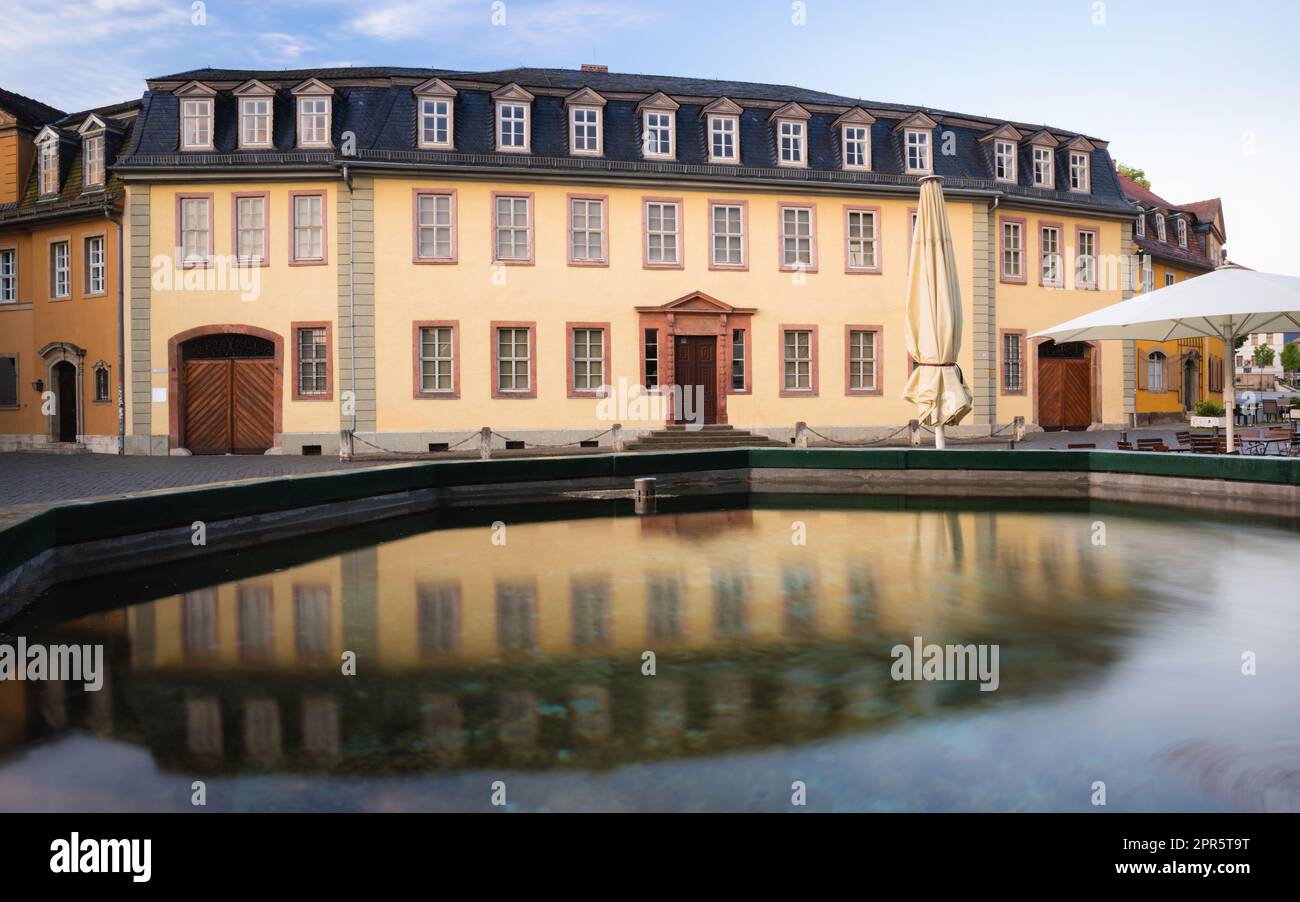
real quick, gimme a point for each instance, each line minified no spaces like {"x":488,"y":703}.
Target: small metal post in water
{"x":644,"y":495}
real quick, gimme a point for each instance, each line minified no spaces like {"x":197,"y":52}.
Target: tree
{"x":1291,"y":358}
{"x":1263,"y":356}
{"x":1136,"y":174}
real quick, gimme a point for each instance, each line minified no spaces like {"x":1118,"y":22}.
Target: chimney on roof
{"x":594,"y":67}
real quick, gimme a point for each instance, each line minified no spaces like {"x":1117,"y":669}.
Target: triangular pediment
{"x":790,"y":111}
{"x":48,"y":133}
{"x":194,"y":89}
{"x":434,"y":87}
{"x":584,"y":97}
{"x":1081,"y":144}
{"x":916,"y":120}
{"x":658,"y":101}
{"x":1005,"y":132}
{"x":1043,"y":138}
{"x":855,"y":116}
{"x":513,"y":92}
{"x":723,"y":106}
{"x":254,"y":88}
{"x":312,"y":86}
{"x":92,"y":125}
{"x":697,"y":302}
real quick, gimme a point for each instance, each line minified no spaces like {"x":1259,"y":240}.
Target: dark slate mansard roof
{"x":377,"y":105}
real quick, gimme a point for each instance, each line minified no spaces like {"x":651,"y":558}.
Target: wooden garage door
{"x":1064,"y":393}
{"x":229,"y":406}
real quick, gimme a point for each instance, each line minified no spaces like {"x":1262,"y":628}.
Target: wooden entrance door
{"x":697,"y":365}
{"x":65,"y":377}
{"x":229,"y":406}
{"x":1064,"y":393}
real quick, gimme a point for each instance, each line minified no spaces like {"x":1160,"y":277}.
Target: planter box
{"x":1209,"y":422}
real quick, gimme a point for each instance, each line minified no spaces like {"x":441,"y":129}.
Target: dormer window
{"x":1160,"y":227}
{"x":917,"y":143}
{"x":791,"y":135}
{"x":1044,"y":175}
{"x":855,"y":138}
{"x":1079,"y":172}
{"x":1180,"y":228}
{"x":48,"y":165}
{"x":92,"y":162}
{"x":658,"y":127}
{"x":196,"y":124}
{"x":1004,"y":161}
{"x":722,"y":118}
{"x":315,"y":113}
{"x":1140,"y":229}
{"x":586,"y":122}
{"x":254,"y":114}
{"x":513,"y":128}
{"x":435,"y":105}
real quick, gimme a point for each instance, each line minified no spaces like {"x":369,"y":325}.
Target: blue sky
{"x":1203,"y":95}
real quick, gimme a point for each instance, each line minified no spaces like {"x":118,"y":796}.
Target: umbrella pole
{"x":1230,"y":390}
{"x":939,"y":443}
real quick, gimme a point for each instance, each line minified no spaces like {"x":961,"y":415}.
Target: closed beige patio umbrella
{"x":933,"y":317}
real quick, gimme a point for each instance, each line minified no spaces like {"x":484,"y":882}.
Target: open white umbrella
{"x":932,"y":318}
{"x":1223,"y":304}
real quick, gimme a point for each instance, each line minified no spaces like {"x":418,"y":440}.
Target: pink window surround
{"x":324,"y":228}
{"x":646,"y":200}
{"x":1060,"y":251}
{"x":417,"y":390}
{"x":780,"y":238}
{"x":329,"y":359}
{"x":848,"y":369}
{"x":1024,"y":363}
{"x":604,"y":229}
{"x":1096,"y":256}
{"x":813,"y":362}
{"x":532,"y":232}
{"x":416,"y":194}
{"x":1003,"y":275}
{"x":532,"y":357}
{"x":743,"y":266}
{"x":606,"y":342}
{"x":880,"y":246}
{"x":207,"y":261}
{"x":266,"y":227}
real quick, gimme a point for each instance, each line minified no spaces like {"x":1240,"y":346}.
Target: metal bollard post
{"x":644,"y":496}
{"x":485,"y":442}
{"x":801,"y":434}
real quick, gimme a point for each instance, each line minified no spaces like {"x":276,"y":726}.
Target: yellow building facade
{"x":549,"y":256}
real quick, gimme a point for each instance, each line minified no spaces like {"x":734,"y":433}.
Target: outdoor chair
{"x":1270,"y":410}
{"x":1184,"y":439}
{"x":1124,"y":446}
{"x":1081,"y":445}
{"x":1204,"y":444}
{"x":1151,"y":444}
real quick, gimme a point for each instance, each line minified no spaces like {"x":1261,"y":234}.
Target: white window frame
{"x":514,"y":361}
{"x":512,"y":228}
{"x":48,"y":183}
{"x":435,"y":225}
{"x":1044,"y":161}
{"x":309,"y":229}
{"x":791,"y":142}
{"x":796,"y":360}
{"x":260,"y":256}
{"x":1080,"y":172}
{"x":319,"y":366}
{"x":729,"y":236}
{"x":1156,"y":362}
{"x":1086,"y":264}
{"x":1013,"y":251}
{"x":600,"y":232}
{"x":596,"y":126}
{"x":199,"y":258}
{"x":61,"y":269}
{"x":1140,"y":227}
{"x":253,"y":123}
{"x":1170,"y":279}
{"x":1013,"y":362}
{"x":96,"y":265}
{"x":437,"y":360}
{"x":715,"y":121}
{"x":862,"y":366}
{"x":198,"y":112}
{"x":1009,"y":147}
{"x":663,"y":234}
{"x":868,"y":246}
{"x":1180,"y":229}
{"x":8,"y":275}
{"x":923,"y":148}
{"x":1160,"y":228}
{"x":862,"y":141}
{"x":500,"y":120}
{"x":798,"y":221}
{"x":430,"y":116}
{"x":92,"y":162}
{"x":647,"y":129}
{"x":1051,"y":249}
{"x":1148,"y":276}
{"x":309,"y":137}
{"x":593,"y":364}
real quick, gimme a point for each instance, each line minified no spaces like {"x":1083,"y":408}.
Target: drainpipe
{"x":121,"y":338}
{"x":352,"y":292}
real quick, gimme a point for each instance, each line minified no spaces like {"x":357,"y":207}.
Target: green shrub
{"x":1208,"y":409}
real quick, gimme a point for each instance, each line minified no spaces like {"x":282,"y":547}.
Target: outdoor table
{"x":1259,"y":444}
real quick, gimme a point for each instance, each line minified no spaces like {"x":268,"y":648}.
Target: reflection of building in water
{"x":529,"y":654}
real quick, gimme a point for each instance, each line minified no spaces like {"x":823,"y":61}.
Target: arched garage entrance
{"x":1068,"y":385}
{"x":226,"y":386}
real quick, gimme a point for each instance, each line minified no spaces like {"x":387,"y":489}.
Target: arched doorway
{"x":1191,"y":380}
{"x":226,"y":385}
{"x":63,"y":379}
{"x":1064,"y":388}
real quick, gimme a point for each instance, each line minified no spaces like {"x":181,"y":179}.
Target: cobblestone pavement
{"x":28,"y":479}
